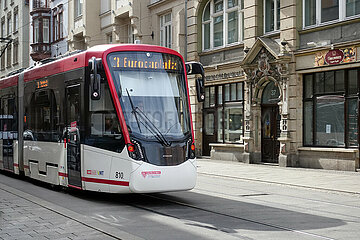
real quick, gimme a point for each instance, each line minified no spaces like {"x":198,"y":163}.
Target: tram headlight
{"x":134,"y":151}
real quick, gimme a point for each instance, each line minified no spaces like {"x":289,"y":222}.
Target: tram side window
{"x":43,"y":119}
{"x":8,"y":118}
{"x":105,"y":130}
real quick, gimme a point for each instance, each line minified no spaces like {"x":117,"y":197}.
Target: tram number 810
{"x":119,"y":175}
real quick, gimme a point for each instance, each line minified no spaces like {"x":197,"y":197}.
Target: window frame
{"x":224,"y":13}
{"x":276,"y":16}
{"x":342,"y":14}
{"x":166,"y":30}
{"x":219,"y":106}
{"x":311,"y":99}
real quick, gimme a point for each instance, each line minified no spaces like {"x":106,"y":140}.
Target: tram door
{"x":270,"y":131}
{"x":73,"y":135}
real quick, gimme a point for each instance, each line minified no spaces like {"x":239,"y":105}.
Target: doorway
{"x":270,"y":132}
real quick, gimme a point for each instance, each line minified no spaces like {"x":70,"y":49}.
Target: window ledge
{"x":325,"y":149}
{"x":228,"y":145}
{"x":220,"y":49}
{"x":327,"y":25}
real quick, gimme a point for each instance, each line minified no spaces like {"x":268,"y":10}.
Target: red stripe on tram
{"x":63,"y":174}
{"x":105,"y":181}
{"x":26,"y":166}
{"x":72,"y":186}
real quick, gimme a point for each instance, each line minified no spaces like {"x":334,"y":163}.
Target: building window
{"x":16,"y":52}
{"x":165,"y":30}
{"x":271,"y":15}
{"x":61,"y":25}
{"x":109,"y":38}
{"x":222,"y":23}
{"x":331,"y":108}
{"x":9,"y":26}
{"x":36,"y":31}
{"x":55,"y":27}
{"x":78,"y":8}
{"x":3,"y":59}
{"x":46,"y":28}
{"x":3,"y":27}
{"x":40,"y":4}
{"x":317,"y":12}
{"x":8,"y":56}
{"x":16,"y":20}
{"x":5,"y":4}
{"x":227,"y":102}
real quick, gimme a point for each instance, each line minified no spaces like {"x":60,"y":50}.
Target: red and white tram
{"x":114,"y":118}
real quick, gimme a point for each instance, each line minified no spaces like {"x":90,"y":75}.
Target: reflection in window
{"x":330,"y":112}
{"x":272,"y":15}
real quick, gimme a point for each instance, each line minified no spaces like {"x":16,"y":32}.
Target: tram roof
{"x":78,"y":60}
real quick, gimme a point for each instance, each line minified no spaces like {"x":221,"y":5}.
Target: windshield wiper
{"x":133,"y":109}
{"x":147,"y":123}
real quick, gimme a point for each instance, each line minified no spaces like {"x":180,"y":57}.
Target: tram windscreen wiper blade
{"x":154,"y":130}
{"x":147,"y":123}
{"x":133,"y":109}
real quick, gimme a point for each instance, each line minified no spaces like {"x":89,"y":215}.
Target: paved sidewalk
{"x":23,"y":217}
{"x":329,"y":180}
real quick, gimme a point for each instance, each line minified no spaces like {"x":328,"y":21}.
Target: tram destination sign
{"x":144,"y":60}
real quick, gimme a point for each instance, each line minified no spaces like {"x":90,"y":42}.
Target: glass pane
{"x":209,"y":124}
{"x":168,"y":18}
{"x":352,"y":122}
{"x":227,"y":92}
{"x":271,"y":93}
{"x":233,"y":123}
{"x":329,"y":81}
{"x":207,"y":98}
{"x":352,"y":7}
{"x":233,"y":27}
{"x":329,"y":10}
{"x":232,"y":3}
{"x":239,"y":91}
{"x":330,"y":121}
{"x":233,"y":92}
{"x":207,"y":36}
{"x":220,"y":95}
{"x":220,"y":125}
{"x":218,"y":31}
{"x":212,"y":96}
{"x":269,"y":15}
{"x":218,"y":6}
{"x":319,"y":82}
{"x":308,"y":86}
{"x":207,"y":13}
{"x":352,"y":81}
{"x":340,"y":80}
{"x":308,"y":123}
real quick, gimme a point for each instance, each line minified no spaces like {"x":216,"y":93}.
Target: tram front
{"x":150,"y":89}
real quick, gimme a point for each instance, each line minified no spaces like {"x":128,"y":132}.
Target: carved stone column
{"x":248,"y":138}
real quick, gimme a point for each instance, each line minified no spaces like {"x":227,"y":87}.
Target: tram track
{"x":217,"y":213}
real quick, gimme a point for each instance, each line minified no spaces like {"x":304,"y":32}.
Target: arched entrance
{"x":270,"y":123}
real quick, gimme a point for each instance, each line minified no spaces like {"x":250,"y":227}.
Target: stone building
{"x":15,"y":36}
{"x":282,"y":80}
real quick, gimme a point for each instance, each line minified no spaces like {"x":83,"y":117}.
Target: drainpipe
{"x":185,"y":16}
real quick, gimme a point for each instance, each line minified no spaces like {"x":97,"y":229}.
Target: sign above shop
{"x":335,"y":56}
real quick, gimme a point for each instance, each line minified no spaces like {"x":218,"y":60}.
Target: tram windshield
{"x":152,"y":91}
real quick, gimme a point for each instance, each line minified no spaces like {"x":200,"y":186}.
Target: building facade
{"x":282,"y":78}
{"x":48,"y":29}
{"x":14,"y":36}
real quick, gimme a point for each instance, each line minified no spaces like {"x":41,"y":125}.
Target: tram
{"x":113,"y":118}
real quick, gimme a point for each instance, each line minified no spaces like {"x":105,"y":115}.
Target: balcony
{"x":40,"y":6}
{"x":40,"y":51}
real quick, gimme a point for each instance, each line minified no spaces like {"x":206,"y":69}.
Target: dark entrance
{"x":270,"y":124}
{"x":73,"y":135}
{"x":209,"y":133}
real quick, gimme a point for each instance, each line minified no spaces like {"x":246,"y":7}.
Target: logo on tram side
{"x":94,"y":172}
{"x":151,"y":174}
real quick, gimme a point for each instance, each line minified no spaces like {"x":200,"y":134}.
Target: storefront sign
{"x":223,"y":76}
{"x":336,"y":56}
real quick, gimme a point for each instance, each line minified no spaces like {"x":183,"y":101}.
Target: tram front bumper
{"x":152,"y":178}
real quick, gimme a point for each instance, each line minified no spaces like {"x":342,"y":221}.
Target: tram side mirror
{"x":197,"y":68}
{"x":95,"y":78}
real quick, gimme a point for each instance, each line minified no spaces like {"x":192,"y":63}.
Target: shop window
{"x":222,"y":23}
{"x":318,"y":12}
{"x":227,"y":103}
{"x":331,"y":108}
